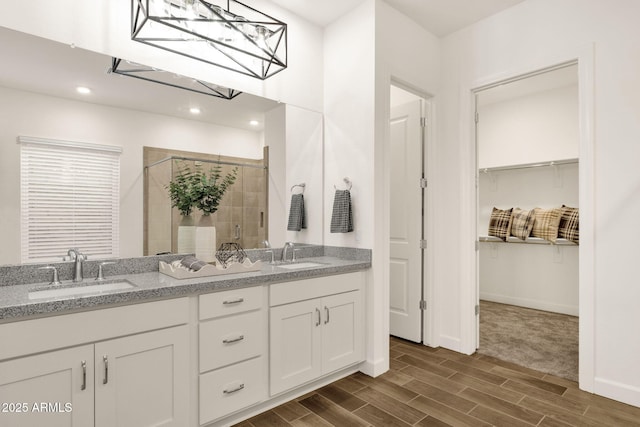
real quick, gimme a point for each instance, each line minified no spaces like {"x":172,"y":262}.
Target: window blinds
{"x":70,"y":195}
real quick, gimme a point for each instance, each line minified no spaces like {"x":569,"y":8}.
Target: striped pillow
{"x":521,"y":223}
{"x":546,"y":223}
{"x":500,"y":223}
{"x":569,"y":227}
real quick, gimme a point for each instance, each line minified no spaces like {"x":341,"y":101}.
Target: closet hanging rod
{"x":530,"y":165}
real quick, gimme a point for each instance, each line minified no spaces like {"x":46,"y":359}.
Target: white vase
{"x":206,"y":239}
{"x":186,"y":235}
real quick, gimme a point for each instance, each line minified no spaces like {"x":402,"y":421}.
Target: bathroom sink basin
{"x":87,"y":288}
{"x":299,"y":265}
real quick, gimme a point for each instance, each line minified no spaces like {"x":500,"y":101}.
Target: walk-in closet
{"x":528,"y":221}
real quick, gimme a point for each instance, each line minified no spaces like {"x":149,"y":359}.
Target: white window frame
{"x":70,"y":198}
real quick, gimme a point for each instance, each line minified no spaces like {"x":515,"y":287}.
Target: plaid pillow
{"x":569,"y":227}
{"x":521,"y":223}
{"x":500,"y":223}
{"x":546,"y":223}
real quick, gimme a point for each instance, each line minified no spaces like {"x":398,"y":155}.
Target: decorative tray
{"x":178,"y":271}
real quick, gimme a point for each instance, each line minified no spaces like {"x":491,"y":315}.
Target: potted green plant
{"x":183,"y":197}
{"x":208,"y":189}
{"x":203,"y":190}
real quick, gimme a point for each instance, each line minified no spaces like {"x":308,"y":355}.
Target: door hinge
{"x":423,"y":305}
{"x":423,"y":244}
{"x":477,"y":117}
{"x":423,"y":122}
{"x":477,"y":310}
{"x":423,"y":182}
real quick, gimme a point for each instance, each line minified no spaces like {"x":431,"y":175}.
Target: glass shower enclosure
{"x":242,"y":213}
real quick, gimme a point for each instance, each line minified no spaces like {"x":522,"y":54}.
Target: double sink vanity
{"x":141,"y":348}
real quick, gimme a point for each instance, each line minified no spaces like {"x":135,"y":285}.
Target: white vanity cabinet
{"x":316,"y":327}
{"x":139,"y":379}
{"x":63,"y":378}
{"x":233,"y":351}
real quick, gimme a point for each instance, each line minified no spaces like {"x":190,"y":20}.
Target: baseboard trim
{"x":530,"y":303}
{"x":375,"y":368}
{"x":617,"y":391}
{"x":450,"y":343}
{"x":284,"y":397}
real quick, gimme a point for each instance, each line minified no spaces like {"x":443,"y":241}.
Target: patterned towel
{"x":297,"y":220}
{"x":342,"y":218}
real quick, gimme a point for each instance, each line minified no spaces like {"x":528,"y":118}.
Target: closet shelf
{"x":530,"y":240}
{"x":529,"y":165}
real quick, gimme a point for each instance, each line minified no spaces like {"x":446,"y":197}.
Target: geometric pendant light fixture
{"x":225,"y":33}
{"x":144,"y":72}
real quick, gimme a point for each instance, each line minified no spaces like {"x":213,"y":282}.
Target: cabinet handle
{"x":106,"y":369}
{"x":326,"y":310}
{"x":240,"y":387}
{"x":233,"y":301}
{"x":229,"y":341}
{"x":319,"y":316}
{"x":84,"y":375}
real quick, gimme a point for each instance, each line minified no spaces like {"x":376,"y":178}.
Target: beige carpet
{"x":547,"y":342}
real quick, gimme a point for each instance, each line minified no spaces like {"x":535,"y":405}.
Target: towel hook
{"x":346,"y":181}
{"x":301,"y":185}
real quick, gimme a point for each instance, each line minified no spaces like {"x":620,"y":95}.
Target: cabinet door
{"x":295,"y":341}
{"x":143,"y":380}
{"x":50,"y":389}
{"x":342,"y":331}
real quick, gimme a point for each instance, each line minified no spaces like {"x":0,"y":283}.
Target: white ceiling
{"x":440,"y":17}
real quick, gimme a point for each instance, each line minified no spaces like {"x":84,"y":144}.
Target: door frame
{"x":429,"y":317}
{"x":585,"y":58}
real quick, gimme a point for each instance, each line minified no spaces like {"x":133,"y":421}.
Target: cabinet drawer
{"x":229,"y":389}
{"x":300,"y":290}
{"x":231,"y":339}
{"x":224,"y":303}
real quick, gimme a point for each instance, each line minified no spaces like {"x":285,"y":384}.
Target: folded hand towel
{"x":297,"y":220}
{"x":192,"y":263}
{"x":342,"y":218}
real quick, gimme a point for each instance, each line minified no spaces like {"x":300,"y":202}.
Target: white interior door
{"x":405,"y":270}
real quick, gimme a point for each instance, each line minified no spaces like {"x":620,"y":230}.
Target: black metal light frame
{"x":253,"y":43}
{"x":143,"y":72}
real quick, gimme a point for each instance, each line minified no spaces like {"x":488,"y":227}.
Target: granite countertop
{"x":15,"y":303}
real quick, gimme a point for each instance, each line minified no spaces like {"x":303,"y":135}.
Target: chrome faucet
{"x":285,"y":250}
{"x":78,"y":258}
{"x":269,"y":251}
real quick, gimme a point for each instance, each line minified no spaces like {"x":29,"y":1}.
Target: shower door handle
{"x":237,"y":232}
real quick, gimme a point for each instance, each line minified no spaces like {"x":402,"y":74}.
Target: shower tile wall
{"x":244,"y":206}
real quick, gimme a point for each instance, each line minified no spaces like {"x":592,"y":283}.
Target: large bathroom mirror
{"x":38,"y":98}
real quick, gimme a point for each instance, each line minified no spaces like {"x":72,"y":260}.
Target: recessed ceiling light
{"x":83,"y":90}
{"x":254,"y":123}
{"x":194,"y":110}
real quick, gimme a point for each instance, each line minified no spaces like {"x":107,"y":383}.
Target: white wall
{"x":534,"y":128}
{"x":274,"y":138}
{"x":363,"y":51}
{"x":104,"y":26}
{"x":409,"y":56}
{"x":304,"y":164}
{"x":529,"y":36}
{"x":31,"y":114}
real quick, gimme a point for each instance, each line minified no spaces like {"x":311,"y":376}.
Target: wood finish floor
{"x":438,"y":387}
